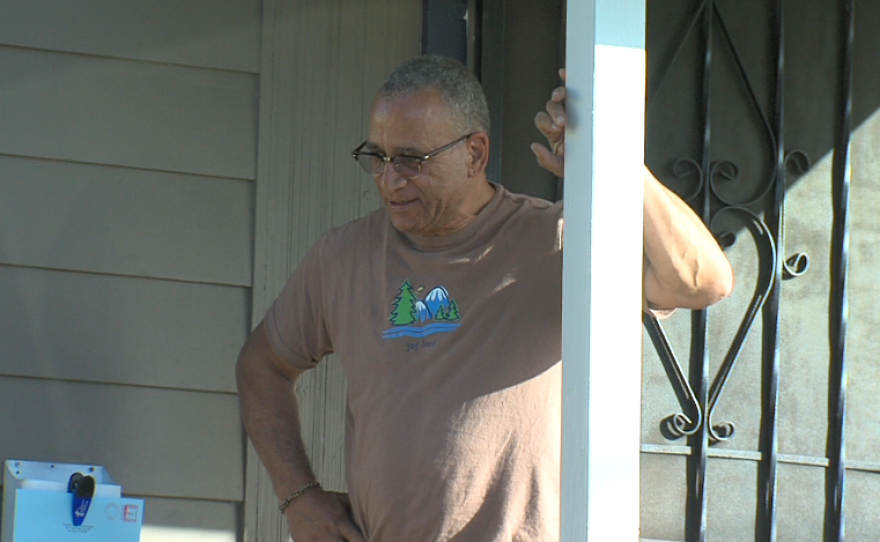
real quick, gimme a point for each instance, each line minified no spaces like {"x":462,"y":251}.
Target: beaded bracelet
{"x":298,"y":493}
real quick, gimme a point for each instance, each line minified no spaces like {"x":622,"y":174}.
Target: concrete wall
{"x":812,"y":86}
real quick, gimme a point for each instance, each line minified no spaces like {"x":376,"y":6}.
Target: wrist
{"x":296,"y":494}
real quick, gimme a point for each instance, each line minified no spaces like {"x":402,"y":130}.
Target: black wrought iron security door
{"x":759,"y":417}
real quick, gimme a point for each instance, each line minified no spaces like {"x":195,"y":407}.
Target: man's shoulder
{"x":516,"y":206}
{"x":526,"y":203}
{"x":530,"y":219}
{"x":357,"y":228}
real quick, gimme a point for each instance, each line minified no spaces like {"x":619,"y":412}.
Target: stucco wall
{"x":739,"y":136}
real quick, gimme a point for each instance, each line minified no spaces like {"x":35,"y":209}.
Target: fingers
{"x":556,"y":107}
{"x":554,"y":133}
{"x":351,"y":533}
{"x":558,"y":95}
{"x":343,"y":498}
{"x":547,"y":127}
{"x":548,"y":160}
{"x":343,"y":530}
{"x":323,"y":516}
{"x":551,"y":123}
{"x":346,"y":526}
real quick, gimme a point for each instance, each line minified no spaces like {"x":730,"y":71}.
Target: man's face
{"x":434,"y":202}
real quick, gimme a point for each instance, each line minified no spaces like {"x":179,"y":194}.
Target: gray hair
{"x":459,"y":88}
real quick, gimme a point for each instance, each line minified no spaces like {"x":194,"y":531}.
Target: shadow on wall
{"x":743,"y":93}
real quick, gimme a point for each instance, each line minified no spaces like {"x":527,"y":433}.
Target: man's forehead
{"x":408,"y":122}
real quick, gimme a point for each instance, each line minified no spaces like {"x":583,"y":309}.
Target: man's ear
{"x":478,"y":152}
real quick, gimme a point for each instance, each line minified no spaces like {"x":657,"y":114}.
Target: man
{"x":444,"y":308}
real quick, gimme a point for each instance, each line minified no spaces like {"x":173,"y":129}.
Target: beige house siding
{"x":128,"y":145}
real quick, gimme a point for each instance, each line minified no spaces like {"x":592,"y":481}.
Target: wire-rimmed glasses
{"x":406,"y":165}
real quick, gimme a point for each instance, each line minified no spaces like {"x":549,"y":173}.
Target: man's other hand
{"x":552,"y":124}
{"x":322,"y":516}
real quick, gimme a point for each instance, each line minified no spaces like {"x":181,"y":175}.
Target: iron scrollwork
{"x":723,"y":431}
{"x":689,"y":420}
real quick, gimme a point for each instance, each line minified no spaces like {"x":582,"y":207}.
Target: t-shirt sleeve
{"x":296,"y":320}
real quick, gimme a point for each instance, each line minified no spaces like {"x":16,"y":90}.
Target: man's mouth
{"x":400,"y":205}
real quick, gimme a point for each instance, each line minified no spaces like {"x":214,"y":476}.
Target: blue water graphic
{"x":430,"y":329}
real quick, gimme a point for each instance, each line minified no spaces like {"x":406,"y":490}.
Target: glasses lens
{"x":407,"y":166}
{"x":371,"y":163}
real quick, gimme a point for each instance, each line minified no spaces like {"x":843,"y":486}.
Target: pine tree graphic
{"x":404,"y":312}
{"x":452,"y":312}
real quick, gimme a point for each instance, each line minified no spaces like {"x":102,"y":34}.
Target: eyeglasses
{"x":408,"y":166}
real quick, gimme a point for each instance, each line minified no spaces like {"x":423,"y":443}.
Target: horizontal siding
{"x":154,"y":442}
{"x":124,"y":113}
{"x":125,"y":221}
{"x":128,"y":135}
{"x":187,"y":520}
{"x":179,"y":520}
{"x":210,"y":33}
{"x":79,"y":326}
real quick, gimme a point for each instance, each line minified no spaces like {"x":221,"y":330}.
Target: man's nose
{"x":390,"y":177}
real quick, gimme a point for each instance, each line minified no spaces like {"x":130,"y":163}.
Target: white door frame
{"x":602,"y":271}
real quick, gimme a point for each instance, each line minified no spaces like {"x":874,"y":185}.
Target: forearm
{"x":271,"y":419}
{"x":271,"y":415}
{"x":684,"y":266}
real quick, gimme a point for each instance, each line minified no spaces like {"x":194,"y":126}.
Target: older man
{"x":444,"y":308}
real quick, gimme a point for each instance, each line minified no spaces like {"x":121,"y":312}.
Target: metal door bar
{"x":839,"y":307}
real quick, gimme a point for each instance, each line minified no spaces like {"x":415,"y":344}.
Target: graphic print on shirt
{"x":414,"y":316}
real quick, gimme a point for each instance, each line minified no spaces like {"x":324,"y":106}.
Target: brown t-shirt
{"x":451,"y":347}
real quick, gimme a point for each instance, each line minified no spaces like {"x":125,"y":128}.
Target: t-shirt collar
{"x":442,"y":242}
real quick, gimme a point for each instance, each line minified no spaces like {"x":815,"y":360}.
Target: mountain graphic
{"x":422,"y":311}
{"x":409,"y":308}
{"x":437,"y":298}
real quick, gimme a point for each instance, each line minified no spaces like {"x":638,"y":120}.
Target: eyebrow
{"x":408,"y":151}
{"x":372,"y":147}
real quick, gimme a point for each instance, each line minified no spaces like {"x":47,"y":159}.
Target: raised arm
{"x":271,"y":418}
{"x":683,"y":265}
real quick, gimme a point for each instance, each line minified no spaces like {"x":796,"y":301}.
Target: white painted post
{"x":602,"y":277}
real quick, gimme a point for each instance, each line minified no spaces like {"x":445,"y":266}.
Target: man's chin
{"x":405,"y":221}
{"x":402,"y":225}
